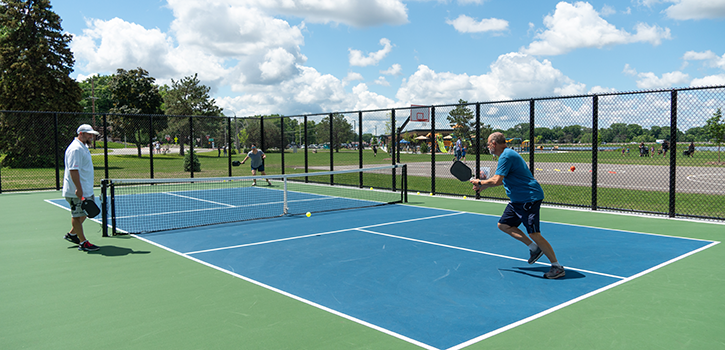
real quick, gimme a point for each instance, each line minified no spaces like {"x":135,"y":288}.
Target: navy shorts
{"x":527,"y":213}
{"x":259,"y":168}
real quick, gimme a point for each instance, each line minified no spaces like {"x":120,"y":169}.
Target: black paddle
{"x":90,"y":207}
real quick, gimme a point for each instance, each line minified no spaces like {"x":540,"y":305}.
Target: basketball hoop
{"x":420,"y":114}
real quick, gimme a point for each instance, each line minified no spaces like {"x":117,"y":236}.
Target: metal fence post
{"x":433,"y":150}
{"x":332,"y":157}
{"x":360,"y":144}
{"x":532,"y":137}
{"x":305,"y":144}
{"x":228,"y":145}
{"x":281,"y":141}
{"x":478,"y":145}
{"x":56,"y":150}
{"x":105,"y":144}
{"x":595,"y":148}
{"x":151,"y":145}
{"x":673,"y":152}
{"x":393,"y":146}
{"x":191,"y":145}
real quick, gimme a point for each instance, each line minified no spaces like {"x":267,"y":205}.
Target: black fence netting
{"x":647,"y":152}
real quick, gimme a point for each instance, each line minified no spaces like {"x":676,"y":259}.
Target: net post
{"x":393,"y":146}
{"x":405,"y":183}
{"x":532,"y":137}
{"x":113,"y":209}
{"x":285,"y":208}
{"x":104,"y":207}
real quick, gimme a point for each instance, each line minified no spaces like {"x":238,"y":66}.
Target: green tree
{"x":189,"y":97}
{"x":35,"y":63}
{"x":715,"y":127}
{"x":461,"y":120}
{"x":97,"y":94}
{"x":133,"y":92}
{"x":341,"y":131}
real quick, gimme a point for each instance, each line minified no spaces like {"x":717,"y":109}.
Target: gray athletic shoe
{"x":555,"y":272}
{"x":535,"y":255}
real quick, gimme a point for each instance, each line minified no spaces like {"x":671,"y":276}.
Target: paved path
{"x":689,"y":179}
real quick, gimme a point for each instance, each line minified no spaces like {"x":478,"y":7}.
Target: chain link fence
{"x":641,"y":152}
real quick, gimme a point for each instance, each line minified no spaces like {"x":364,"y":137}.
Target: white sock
{"x":533,"y":246}
{"x":83,"y":242}
{"x":556,"y":263}
{"x":72,"y":234}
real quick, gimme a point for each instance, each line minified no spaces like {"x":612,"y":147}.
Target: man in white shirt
{"x":78,"y":184}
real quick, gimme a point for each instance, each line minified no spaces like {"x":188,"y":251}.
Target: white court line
{"x":320,"y":234}
{"x":197,"y":199}
{"x":482,"y":252}
{"x":577,"y":299}
{"x":295,"y":297}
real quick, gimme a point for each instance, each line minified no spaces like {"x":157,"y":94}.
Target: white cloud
{"x":629,"y":70}
{"x":712,"y":80}
{"x":381,"y":81}
{"x":513,"y":75}
{"x":607,"y":11}
{"x":465,"y":24}
{"x":651,"y":81}
{"x":352,"y":76}
{"x":696,"y":9}
{"x":356,"y":13}
{"x":357,"y":58}
{"x":601,"y":90}
{"x":394,"y":70}
{"x":711,"y":59}
{"x":579,"y":25}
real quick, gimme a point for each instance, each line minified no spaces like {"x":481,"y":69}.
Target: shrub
{"x":190,"y":158}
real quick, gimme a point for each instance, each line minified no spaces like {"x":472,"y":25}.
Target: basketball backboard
{"x":419,"y":113}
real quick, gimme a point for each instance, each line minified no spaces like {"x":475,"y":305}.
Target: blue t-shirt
{"x":520,"y":185}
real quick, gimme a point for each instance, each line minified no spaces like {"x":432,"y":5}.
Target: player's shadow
{"x":539,"y":271}
{"x":112,"y":250}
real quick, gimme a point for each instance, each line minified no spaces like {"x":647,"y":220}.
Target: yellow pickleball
{"x":308,"y":214}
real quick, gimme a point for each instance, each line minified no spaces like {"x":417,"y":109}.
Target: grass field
{"x":171,"y":166}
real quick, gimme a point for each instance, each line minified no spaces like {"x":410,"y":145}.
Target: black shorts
{"x":527,"y":213}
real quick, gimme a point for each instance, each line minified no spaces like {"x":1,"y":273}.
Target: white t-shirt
{"x":78,"y":157}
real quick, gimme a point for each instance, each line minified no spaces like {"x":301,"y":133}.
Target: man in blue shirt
{"x":256,"y":157}
{"x":526,"y":196}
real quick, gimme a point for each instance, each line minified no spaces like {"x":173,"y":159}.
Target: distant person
{"x":458,"y":149}
{"x":526,"y":196}
{"x":665,"y":147}
{"x":257,"y":157}
{"x":375,"y":150}
{"x":158,"y":147}
{"x":652,"y":151}
{"x":642,"y":150}
{"x":78,"y":184}
{"x":463,"y":153}
{"x":225,"y":150}
{"x":691,"y":149}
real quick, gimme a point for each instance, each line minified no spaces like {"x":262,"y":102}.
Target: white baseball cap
{"x":87,"y":129}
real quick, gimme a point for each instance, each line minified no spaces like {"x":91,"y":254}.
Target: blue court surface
{"x":436,"y":278}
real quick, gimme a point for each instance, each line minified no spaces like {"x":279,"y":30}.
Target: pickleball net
{"x":150,"y":205}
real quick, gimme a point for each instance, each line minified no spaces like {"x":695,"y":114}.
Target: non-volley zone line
{"x":367,"y":229}
{"x":224,"y":206}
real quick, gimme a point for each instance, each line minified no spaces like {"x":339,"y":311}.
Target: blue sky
{"x":303,"y":56}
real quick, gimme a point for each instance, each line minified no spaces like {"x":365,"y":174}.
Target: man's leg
{"x":515,"y":232}
{"x":544,"y":245}
{"x":254,"y":181}
{"x":77,"y":224}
